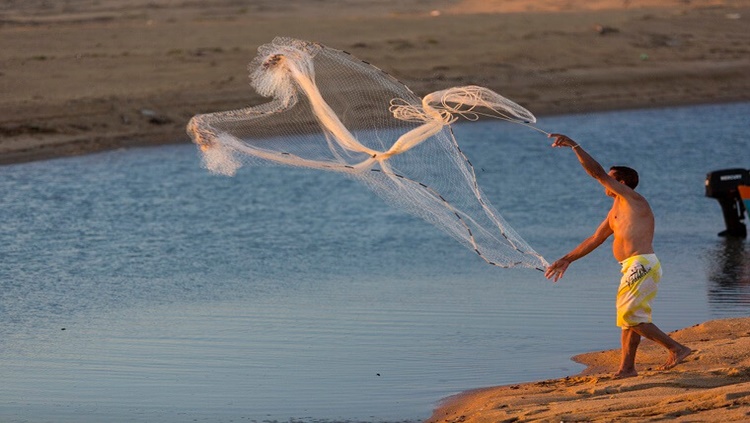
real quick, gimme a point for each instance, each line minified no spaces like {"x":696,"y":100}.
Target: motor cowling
{"x":723,"y":186}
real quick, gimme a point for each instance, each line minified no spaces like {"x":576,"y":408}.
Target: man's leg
{"x":677,"y":351}
{"x":629,"y":340}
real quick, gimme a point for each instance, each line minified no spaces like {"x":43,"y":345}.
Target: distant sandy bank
{"x":90,"y":75}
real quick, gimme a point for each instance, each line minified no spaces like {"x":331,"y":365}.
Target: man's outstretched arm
{"x":591,"y":166}
{"x":557,"y":269}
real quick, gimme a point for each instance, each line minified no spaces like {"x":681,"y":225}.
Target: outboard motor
{"x":722,"y":185}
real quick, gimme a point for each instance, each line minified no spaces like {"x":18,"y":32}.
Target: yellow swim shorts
{"x":638,"y":286}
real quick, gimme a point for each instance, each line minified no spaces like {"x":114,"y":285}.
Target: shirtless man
{"x":631,"y":221}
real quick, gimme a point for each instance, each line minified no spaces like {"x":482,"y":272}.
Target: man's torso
{"x":632,"y":223}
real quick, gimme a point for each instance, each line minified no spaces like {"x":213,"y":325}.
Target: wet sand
{"x":90,"y":75}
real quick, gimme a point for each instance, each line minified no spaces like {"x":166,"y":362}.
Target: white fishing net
{"x":331,"y":111}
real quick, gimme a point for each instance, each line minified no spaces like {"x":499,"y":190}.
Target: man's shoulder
{"x":635,"y":202}
{"x":638,"y":205}
{"x":633,"y":197}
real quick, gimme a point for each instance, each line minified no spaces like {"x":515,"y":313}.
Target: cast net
{"x":333,"y":112}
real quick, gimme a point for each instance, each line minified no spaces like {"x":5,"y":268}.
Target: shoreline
{"x":115,"y":74}
{"x":48,"y":149}
{"x":712,"y":384}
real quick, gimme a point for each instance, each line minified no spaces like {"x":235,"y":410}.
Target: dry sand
{"x":85,"y":75}
{"x":711,"y":385}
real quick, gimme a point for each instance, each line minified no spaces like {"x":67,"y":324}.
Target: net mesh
{"x":331,"y":111}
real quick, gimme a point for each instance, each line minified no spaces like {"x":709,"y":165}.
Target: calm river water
{"x":137,"y":287}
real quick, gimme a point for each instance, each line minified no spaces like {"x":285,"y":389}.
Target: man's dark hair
{"x":625,"y":174}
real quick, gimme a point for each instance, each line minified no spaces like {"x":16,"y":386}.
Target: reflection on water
{"x":728,"y":267}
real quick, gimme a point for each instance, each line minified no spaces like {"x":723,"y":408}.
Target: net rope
{"x":333,"y":112}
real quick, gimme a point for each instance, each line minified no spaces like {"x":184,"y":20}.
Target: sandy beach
{"x":711,"y":385}
{"x":91,"y":75}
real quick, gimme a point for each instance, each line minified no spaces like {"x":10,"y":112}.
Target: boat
{"x":744,"y":191}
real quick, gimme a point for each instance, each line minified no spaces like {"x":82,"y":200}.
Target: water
{"x":136,"y":287}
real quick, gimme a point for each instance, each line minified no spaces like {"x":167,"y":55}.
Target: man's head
{"x":624,"y":174}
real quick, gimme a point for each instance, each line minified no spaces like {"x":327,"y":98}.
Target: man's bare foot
{"x":676,"y":358}
{"x":622,"y":374}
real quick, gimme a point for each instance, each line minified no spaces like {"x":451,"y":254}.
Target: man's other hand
{"x":557,"y":269}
